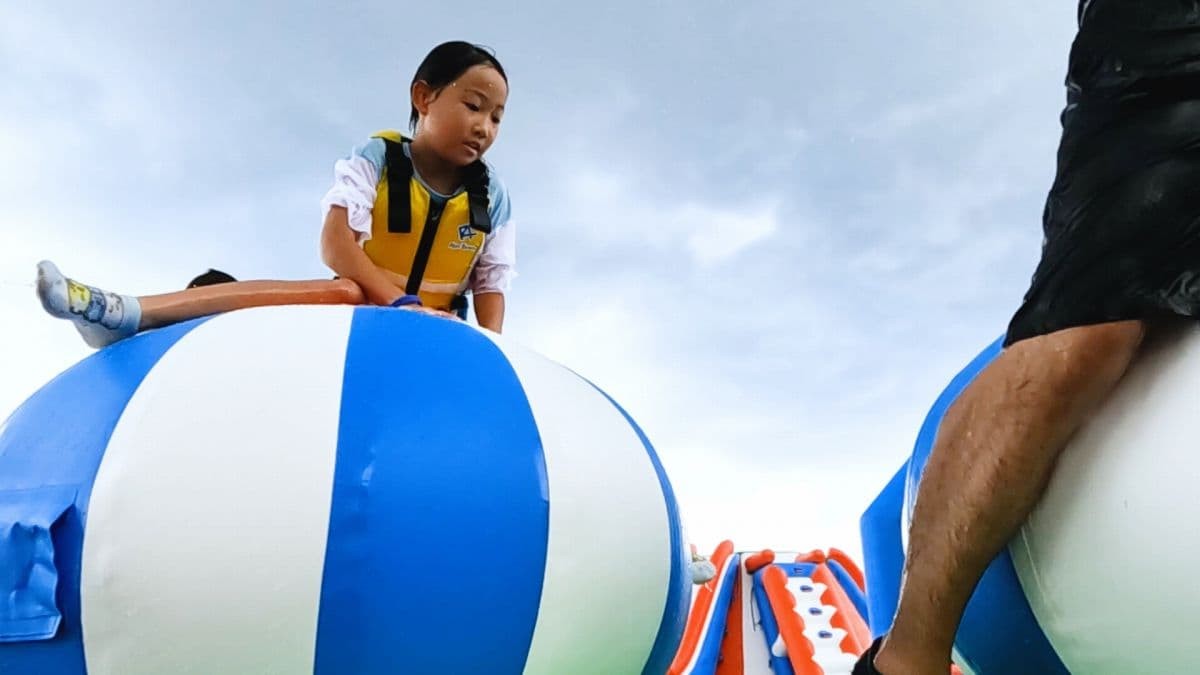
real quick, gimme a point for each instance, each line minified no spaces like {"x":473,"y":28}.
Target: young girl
{"x":412,"y":223}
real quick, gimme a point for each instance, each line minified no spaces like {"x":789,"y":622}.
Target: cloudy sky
{"x":772,"y":230}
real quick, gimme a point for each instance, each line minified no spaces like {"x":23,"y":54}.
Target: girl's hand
{"x":430,"y":311}
{"x":413,"y":304}
{"x":342,"y":254}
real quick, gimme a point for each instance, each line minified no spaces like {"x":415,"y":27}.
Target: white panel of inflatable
{"x":1108,"y":559}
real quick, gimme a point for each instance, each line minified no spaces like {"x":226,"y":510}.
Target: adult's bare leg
{"x":991,"y":461}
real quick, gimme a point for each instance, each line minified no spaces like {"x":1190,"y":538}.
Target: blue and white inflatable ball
{"x":332,"y":490}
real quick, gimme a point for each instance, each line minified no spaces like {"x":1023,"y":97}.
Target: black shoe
{"x":866,"y":662}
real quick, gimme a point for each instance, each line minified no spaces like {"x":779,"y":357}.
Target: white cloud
{"x":36,"y":347}
{"x":613,"y":209}
{"x":71,"y":87}
{"x":718,"y":235}
{"x":943,"y":105}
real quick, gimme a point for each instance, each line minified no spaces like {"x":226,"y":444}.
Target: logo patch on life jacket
{"x":466,"y":235}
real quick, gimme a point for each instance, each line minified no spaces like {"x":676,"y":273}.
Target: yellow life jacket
{"x":432,"y":246}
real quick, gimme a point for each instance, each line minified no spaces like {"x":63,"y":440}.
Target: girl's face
{"x":460,"y":122}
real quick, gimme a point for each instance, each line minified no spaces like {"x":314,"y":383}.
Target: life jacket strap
{"x":399,"y":174}
{"x":477,"y":197}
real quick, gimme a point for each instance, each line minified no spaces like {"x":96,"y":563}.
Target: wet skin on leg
{"x":992,"y":459}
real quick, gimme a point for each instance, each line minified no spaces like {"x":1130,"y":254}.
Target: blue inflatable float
{"x":332,"y":490}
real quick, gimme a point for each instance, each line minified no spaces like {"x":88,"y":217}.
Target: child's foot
{"x":702,"y":570}
{"x":101,"y":317}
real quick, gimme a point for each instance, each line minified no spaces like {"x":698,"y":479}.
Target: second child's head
{"x":458,"y":98}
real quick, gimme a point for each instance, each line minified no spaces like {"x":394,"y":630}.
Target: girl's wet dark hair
{"x":447,"y":62}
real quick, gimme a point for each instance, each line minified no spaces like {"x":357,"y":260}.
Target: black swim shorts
{"x":1122,"y":219}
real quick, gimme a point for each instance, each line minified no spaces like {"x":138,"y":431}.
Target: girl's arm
{"x":492,"y":274}
{"x":343,"y":255}
{"x":489,"y":310}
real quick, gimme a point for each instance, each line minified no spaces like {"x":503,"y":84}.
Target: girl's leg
{"x":103,"y":317}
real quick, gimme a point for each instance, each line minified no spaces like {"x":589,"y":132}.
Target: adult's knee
{"x":1096,"y":351}
{"x":349,"y":292}
{"x":1117,"y":340}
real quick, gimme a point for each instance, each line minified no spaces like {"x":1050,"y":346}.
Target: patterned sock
{"x":102,"y":317}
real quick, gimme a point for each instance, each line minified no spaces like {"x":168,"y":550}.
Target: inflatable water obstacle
{"x":332,"y":490}
{"x":770,"y":612}
{"x":370,"y":490}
